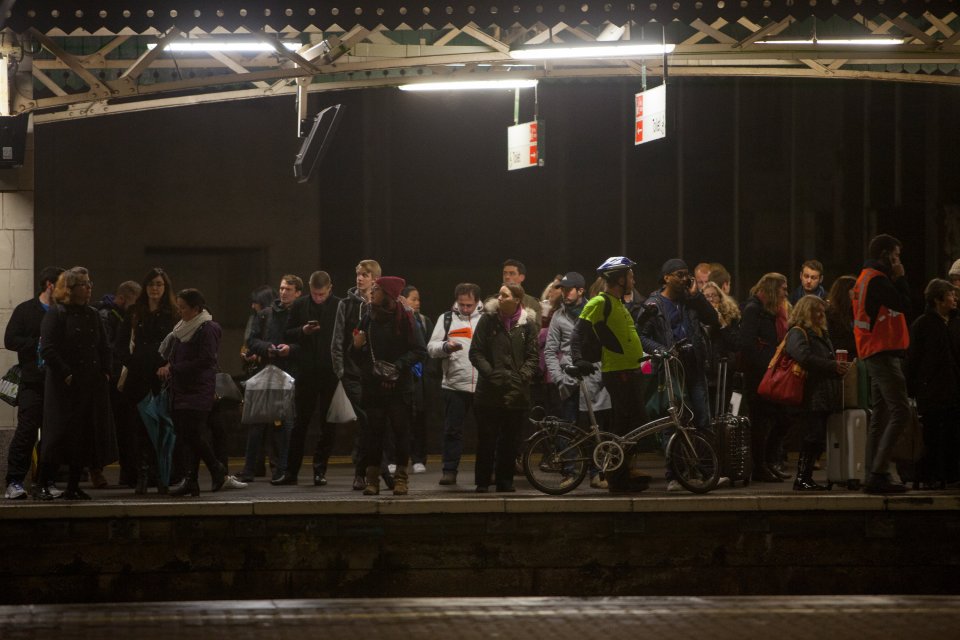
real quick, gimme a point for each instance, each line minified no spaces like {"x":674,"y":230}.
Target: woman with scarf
{"x":763,"y":326}
{"x":387,"y":345}
{"x":504,"y":352}
{"x":73,"y":345}
{"x":190,"y":351}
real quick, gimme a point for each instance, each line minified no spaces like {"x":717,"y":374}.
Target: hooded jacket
{"x":458,"y":372}
{"x":657,"y":335}
{"x":506,"y":361}
{"x":556,"y":355}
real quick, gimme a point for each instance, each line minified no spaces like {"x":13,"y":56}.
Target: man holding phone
{"x":881,"y":297}
{"x":268,"y":344}
{"x":309,"y":330}
{"x":450,"y":343}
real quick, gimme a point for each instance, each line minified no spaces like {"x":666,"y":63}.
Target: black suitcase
{"x":733,"y":435}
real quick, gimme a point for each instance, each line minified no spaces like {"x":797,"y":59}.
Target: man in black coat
{"x":23,"y":336}
{"x":309,"y":334}
{"x":268,"y":343}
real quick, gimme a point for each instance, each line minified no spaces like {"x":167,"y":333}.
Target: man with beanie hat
{"x":881,"y":297}
{"x":954,"y":274}
{"x":682,"y":312}
{"x":386,"y":345}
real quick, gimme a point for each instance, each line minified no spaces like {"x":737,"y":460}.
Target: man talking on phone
{"x":881,"y":297}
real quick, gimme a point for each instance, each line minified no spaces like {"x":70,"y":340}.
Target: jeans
{"x":698,"y":396}
{"x":29,"y":419}
{"x":457,"y":404}
{"x":280,"y":441}
{"x":390,"y":412}
{"x":890,"y":409}
{"x":497,"y":445}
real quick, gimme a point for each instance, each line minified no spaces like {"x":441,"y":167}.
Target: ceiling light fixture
{"x":235,"y":46}
{"x":883,"y":42}
{"x":592,"y":51}
{"x":467,"y":85}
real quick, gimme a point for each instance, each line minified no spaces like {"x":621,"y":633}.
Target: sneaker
{"x":392,"y":468}
{"x":449,"y":477}
{"x":419,"y":467}
{"x":233,"y":483}
{"x":596,"y":482}
{"x":674,"y":485}
{"x":15,"y":491}
{"x":724,"y":481}
{"x":567,"y":481}
{"x":52,"y":490}
{"x":243,"y":476}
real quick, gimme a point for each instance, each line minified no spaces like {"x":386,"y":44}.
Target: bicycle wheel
{"x":554,"y":463}
{"x":693,"y":461}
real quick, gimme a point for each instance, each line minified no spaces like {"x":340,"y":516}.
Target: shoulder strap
{"x":447,"y":321}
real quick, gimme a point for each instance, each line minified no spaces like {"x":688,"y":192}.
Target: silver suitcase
{"x":847,"y":448}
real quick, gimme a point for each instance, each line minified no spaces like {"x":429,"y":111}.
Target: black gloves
{"x":579,"y":369}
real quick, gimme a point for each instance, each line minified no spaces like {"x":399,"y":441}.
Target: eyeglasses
{"x":681,"y":274}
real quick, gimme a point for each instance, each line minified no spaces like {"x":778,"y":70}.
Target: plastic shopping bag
{"x":268,"y":397}
{"x":341,"y":411}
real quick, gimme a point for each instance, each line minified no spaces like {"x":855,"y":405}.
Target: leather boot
{"x":189,"y":487}
{"x":804,"y":480}
{"x":372,"y":487}
{"x":143,"y":473}
{"x":400,"y":482}
{"x":218,"y":475}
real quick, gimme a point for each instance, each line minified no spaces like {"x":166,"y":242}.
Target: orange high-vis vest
{"x":888,"y":332}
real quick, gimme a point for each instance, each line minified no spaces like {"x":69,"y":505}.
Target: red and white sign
{"x":651,"y":112}
{"x":523,"y":146}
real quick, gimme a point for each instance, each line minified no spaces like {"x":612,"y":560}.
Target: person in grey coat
{"x":808,"y":343}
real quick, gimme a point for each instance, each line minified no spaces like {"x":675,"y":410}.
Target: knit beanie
{"x":954,"y":270}
{"x":391,"y":286}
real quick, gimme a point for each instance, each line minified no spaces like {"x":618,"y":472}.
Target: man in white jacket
{"x":450,"y":342}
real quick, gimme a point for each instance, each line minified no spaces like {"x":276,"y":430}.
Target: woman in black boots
{"x":137,"y":346}
{"x":73,"y":345}
{"x":190,"y":351}
{"x":809,"y":344}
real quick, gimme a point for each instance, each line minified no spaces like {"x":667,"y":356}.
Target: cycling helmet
{"x":614,"y":264}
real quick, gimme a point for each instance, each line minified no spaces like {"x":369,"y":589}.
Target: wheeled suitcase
{"x":847,"y":448}
{"x":733,"y":435}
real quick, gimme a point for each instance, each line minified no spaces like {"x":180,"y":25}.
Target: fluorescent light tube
{"x":466,"y":85}
{"x":592,"y":51}
{"x":840,"y":41}
{"x":203,"y":46}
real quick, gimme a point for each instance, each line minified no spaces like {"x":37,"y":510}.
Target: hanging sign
{"x":651,"y":113}
{"x":523,"y":145}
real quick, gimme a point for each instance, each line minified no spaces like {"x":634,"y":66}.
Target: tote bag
{"x":784,"y":380}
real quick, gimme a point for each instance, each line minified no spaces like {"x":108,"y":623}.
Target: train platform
{"x":719,"y":618}
{"x":269,"y":543}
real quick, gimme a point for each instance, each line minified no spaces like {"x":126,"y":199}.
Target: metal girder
{"x":120,"y":66}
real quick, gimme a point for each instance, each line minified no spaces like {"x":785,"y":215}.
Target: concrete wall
{"x":422,"y":548}
{"x":16,"y":263}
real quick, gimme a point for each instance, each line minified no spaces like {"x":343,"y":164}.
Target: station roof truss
{"x":78,"y":59}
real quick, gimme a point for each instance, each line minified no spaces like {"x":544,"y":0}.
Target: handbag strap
{"x":783,"y":344}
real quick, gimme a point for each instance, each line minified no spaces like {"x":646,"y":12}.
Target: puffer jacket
{"x":458,"y":373}
{"x":821,"y":391}
{"x":556,"y":355}
{"x":506,"y":361}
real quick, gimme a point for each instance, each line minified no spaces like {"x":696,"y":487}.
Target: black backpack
{"x":590,"y":348}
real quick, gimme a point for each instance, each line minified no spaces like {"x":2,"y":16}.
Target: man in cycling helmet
{"x":605,"y":320}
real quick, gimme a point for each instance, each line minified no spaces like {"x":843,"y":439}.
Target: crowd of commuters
{"x":100,"y":381}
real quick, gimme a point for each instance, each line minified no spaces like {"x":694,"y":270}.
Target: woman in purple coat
{"x":191,"y":354}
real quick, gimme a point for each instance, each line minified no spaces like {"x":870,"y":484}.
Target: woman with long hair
{"x":762,"y":327}
{"x":504,"y":352}
{"x":808,"y":343}
{"x":840,"y":314}
{"x":190,"y":352}
{"x":724,"y":342}
{"x":148,"y":321}
{"x":73,"y":345}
